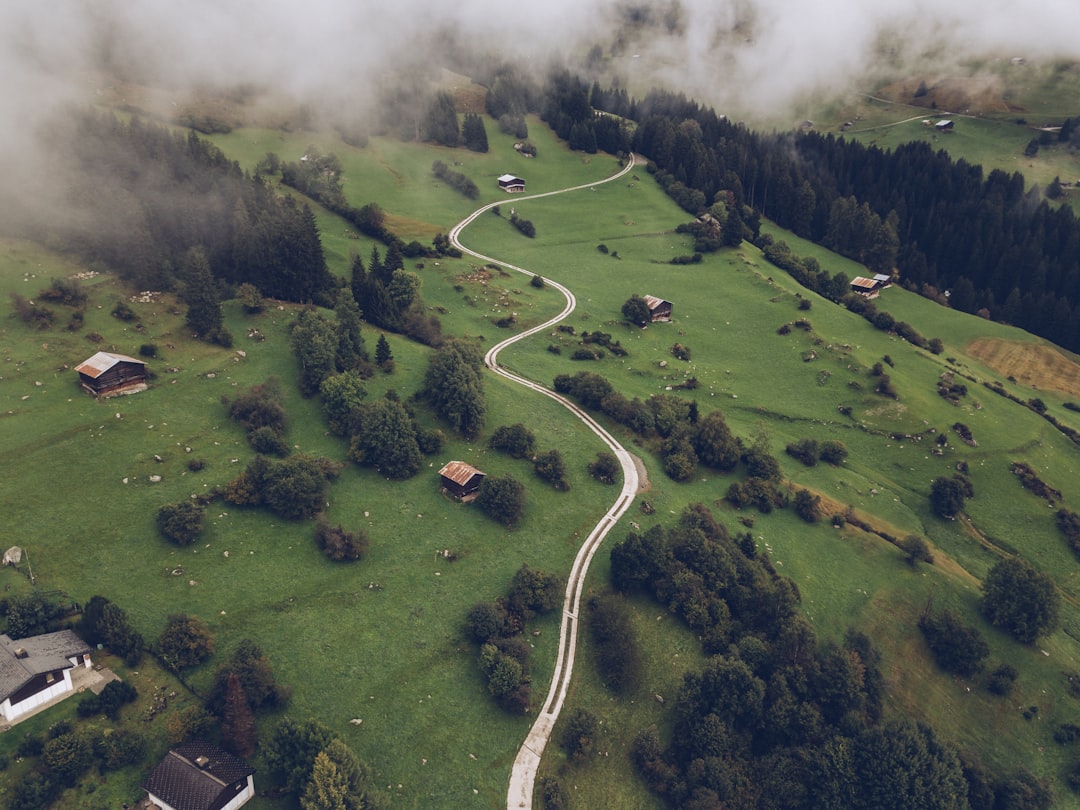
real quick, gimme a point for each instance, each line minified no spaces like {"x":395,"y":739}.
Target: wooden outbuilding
{"x":511,"y":184}
{"x":37,"y":670}
{"x":866,"y":287}
{"x":461,"y":480}
{"x":109,"y":375}
{"x":884,"y":280}
{"x":659,"y":309}
{"x":944,"y":125}
{"x":200,"y":776}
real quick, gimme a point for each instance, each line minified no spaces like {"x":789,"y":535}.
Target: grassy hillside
{"x":381,"y":640}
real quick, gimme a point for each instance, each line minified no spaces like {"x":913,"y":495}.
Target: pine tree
{"x":238,"y":732}
{"x":350,"y":351}
{"x":327,"y":789}
{"x":357,"y":279}
{"x":383,"y":356}
{"x":201,"y":294}
{"x":473,"y":133}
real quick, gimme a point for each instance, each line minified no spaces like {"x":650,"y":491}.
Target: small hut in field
{"x":511,"y":184}
{"x":659,"y":309}
{"x":461,"y":480}
{"x":109,"y":375}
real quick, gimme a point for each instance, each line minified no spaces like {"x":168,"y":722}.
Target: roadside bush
{"x":534,"y":593}
{"x":605,"y":468}
{"x":578,"y":737}
{"x":340,"y":545}
{"x":618,"y":659}
{"x":537,"y":281}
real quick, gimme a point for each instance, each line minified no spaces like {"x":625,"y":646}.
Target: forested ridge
{"x":138,"y":197}
{"x":947,"y":226}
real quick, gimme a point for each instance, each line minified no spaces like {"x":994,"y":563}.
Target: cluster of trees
{"x":456,"y":180}
{"x":389,"y":295}
{"x":293,"y":488}
{"x":523,"y":225}
{"x":957,"y":647}
{"x":567,"y":109}
{"x":261,"y":411}
{"x":614,"y":643}
{"x":498,"y":628}
{"x":777,"y":719}
{"x":143,"y":196}
{"x":1021,"y":600}
{"x":317,"y":767}
{"x":810,"y":451}
{"x":518,"y":441}
{"x":104,"y":622}
{"x":454,"y":387}
{"x":384,"y":434}
{"x":32,"y":613}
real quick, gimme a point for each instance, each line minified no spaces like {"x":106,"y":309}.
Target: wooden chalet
{"x":109,"y":375}
{"x":461,"y":480}
{"x":659,"y":309}
{"x":200,"y":776}
{"x":866,"y":287}
{"x":511,"y":184}
{"x":36,"y":670}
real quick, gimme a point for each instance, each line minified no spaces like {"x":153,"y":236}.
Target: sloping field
{"x":1031,"y":364}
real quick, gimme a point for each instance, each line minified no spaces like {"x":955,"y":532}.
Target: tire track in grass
{"x":523,"y":774}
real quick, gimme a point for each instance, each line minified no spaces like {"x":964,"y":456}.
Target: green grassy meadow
{"x":382,"y":640}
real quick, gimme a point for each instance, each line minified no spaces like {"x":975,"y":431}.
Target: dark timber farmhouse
{"x":511,"y":184}
{"x":199,"y":776}
{"x":35,"y":670}
{"x":109,"y":375}
{"x":461,"y":480}
{"x":659,"y":309}
{"x":866,"y":287}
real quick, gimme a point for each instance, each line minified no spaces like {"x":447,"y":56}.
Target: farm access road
{"x":523,"y":774}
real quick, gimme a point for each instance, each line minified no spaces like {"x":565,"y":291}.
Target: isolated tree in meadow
{"x":181,"y":522}
{"x":605,"y":468}
{"x":552,"y":468}
{"x":238,"y":732}
{"x":636,"y":310}
{"x":1021,"y":600}
{"x":502,"y":498}
{"x":515,"y":440}
{"x":915,"y":550}
{"x":185,"y":642}
{"x":947,"y":496}
{"x":340,"y":545}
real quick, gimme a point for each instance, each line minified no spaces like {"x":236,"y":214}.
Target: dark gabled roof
{"x":101,"y":362}
{"x":192,"y":776}
{"x":459,"y":472}
{"x":45,"y":653}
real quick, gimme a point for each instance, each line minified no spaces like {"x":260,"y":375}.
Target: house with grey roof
{"x":36,"y":670}
{"x":200,"y":776}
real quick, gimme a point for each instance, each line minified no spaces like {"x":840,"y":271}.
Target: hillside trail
{"x":523,"y":774}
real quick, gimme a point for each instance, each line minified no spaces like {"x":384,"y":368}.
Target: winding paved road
{"x":523,"y":775}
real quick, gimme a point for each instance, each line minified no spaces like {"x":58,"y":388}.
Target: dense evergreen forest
{"x":976,"y":241}
{"x":138,"y":198}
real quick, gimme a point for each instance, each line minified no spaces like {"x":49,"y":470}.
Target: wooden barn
{"x":37,"y":670}
{"x":109,"y":375}
{"x":882,"y":279}
{"x":461,"y":480}
{"x":659,"y":309}
{"x":866,"y":287}
{"x":511,"y":184}
{"x":944,"y":125}
{"x":200,"y":776}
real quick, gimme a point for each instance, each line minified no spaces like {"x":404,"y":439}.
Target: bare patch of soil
{"x":1032,"y":364}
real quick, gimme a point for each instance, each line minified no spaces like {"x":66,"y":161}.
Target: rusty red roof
{"x":101,"y":362}
{"x":459,"y":472}
{"x":864,"y":283}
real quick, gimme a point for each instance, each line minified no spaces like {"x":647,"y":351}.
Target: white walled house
{"x":35,"y":670}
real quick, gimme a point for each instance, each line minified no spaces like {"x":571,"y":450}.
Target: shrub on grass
{"x":1002,"y":680}
{"x":804,"y":450}
{"x":516,"y":440}
{"x":340,"y":545}
{"x":113,"y":697}
{"x":486,"y":620}
{"x":118,"y":748}
{"x":1021,"y":600}
{"x":956,"y":647}
{"x":947,"y":495}
{"x":33,"y":315}
{"x":915,"y":550}
{"x":605,"y":468}
{"x":578,"y":737}
{"x":807,"y":506}
{"x":267,"y":441}
{"x":635,"y":310}
{"x":181,"y":523}
{"x":65,"y":291}
{"x":618,"y":659}
{"x":537,"y":281}
{"x":833,"y":452}
{"x":502,"y":498}
{"x":122,"y":312}
{"x":533,"y":593}
{"x":184,"y":643}
{"x":189,"y":723}
{"x":551,"y":467}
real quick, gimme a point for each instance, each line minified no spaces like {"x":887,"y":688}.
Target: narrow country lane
{"x":523,"y":775}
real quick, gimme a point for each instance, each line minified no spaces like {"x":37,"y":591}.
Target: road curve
{"x":523,"y":774}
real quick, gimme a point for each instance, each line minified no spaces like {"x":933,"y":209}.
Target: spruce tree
{"x":238,"y":732}
{"x":383,"y":356}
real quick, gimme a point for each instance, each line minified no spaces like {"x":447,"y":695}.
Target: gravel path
{"x":523,"y":775}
